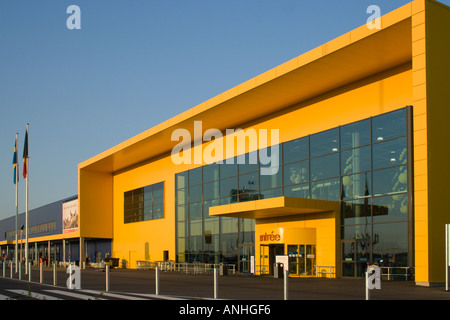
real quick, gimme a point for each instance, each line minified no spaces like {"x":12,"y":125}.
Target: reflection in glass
{"x":297,"y":191}
{"x":325,"y":189}
{"x":210,"y":173}
{"x":390,"y":208}
{"x":325,"y":167}
{"x":249,"y":186}
{"x":195,"y":176}
{"x":389,"y":153}
{"x":389,"y":125}
{"x":391,"y":180}
{"x":229,"y":187}
{"x":248,"y":162}
{"x":324,"y":142}
{"x":356,"y":186}
{"x":195,"y":193}
{"x":296,"y":150}
{"x":356,"y":211}
{"x":355,"y":160}
{"x":355,"y":134}
{"x":195,"y":210}
{"x":270,"y":181}
{"x":228,"y":168}
{"x":296,"y":173}
{"x":211,"y":190}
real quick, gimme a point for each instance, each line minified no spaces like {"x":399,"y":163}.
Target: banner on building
{"x":70,"y":216}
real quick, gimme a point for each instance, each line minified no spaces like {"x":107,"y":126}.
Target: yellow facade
{"x":361,"y":74}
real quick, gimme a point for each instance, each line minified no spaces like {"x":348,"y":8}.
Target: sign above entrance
{"x":274,"y":236}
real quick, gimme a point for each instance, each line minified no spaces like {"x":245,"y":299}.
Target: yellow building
{"x":356,"y":130}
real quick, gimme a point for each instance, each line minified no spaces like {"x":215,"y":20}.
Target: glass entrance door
{"x":354,"y":257}
{"x":302,"y":260}
{"x":245,"y":252}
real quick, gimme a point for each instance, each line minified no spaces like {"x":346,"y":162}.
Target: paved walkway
{"x":247,"y":287}
{"x":242,"y":287}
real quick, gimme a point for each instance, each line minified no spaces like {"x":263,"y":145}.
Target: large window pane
{"x":356,"y":212}
{"x":389,"y":125}
{"x":390,"y":237}
{"x":356,"y":186}
{"x":195,"y":176}
{"x":210,"y":173}
{"x":270,"y":181}
{"x":228,"y":168}
{"x":355,"y":134}
{"x":296,"y":150}
{"x":271,"y":193}
{"x":248,"y":162}
{"x":211,"y":190}
{"x":389,"y":153}
{"x":181,"y":180}
{"x":392,"y":180}
{"x":195,"y":210}
{"x":296,"y":173}
{"x":325,"y":167}
{"x":390,"y":208}
{"x":195,"y":193}
{"x":297,"y":191}
{"x":229,"y":187}
{"x":249,"y":186}
{"x":324,"y":142}
{"x":355,"y":160}
{"x":325,"y":189}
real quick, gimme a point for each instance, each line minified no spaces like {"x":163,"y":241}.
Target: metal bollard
{"x":54,"y":273}
{"x":20,"y":270}
{"x":216,"y":283}
{"x":107,"y":277}
{"x":157,"y":280}
{"x":286,"y":284}
{"x":4,"y":269}
{"x":29,"y":271}
{"x":40,"y":273}
{"x":11,"y":270}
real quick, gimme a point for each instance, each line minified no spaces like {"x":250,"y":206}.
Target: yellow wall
{"x":438,"y":84}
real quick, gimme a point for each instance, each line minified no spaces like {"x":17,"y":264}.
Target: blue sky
{"x":134,"y":64}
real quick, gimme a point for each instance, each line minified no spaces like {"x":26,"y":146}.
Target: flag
{"x":15,"y":164}
{"x":25,"y":155}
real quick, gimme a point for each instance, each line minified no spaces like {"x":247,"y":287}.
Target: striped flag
{"x":25,"y":155}
{"x":15,"y":164}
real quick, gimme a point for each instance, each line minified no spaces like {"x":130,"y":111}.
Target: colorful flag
{"x":25,"y":155}
{"x":15,"y":164}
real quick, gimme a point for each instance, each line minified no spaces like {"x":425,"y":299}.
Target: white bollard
{"x":286,"y":284}
{"x":4,"y":269}
{"x":11,"y":270}
{"x":216,"y":283}
{"x":41,"y":275}
{"x":29,"y":271}
{"x":107,"y":277}
{"x":20,"y":270}
{"x":54,"y":273}
{"x":367,"y":286}
{"x":157,"y":280}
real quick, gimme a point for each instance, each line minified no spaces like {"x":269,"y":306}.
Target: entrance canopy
{"x":273,"y":208}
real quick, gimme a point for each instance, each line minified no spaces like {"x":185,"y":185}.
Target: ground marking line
{"x":33,"y":295}
{"x":74,"y":295}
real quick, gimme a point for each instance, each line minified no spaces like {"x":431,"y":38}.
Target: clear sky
{"x":132,"y":65}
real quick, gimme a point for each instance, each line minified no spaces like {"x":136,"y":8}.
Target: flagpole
{"x":17,"y":208}
{"x":26,"y":209}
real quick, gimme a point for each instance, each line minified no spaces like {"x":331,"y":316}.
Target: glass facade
{"x":144,"y":204}
{"x":363,"y":165}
